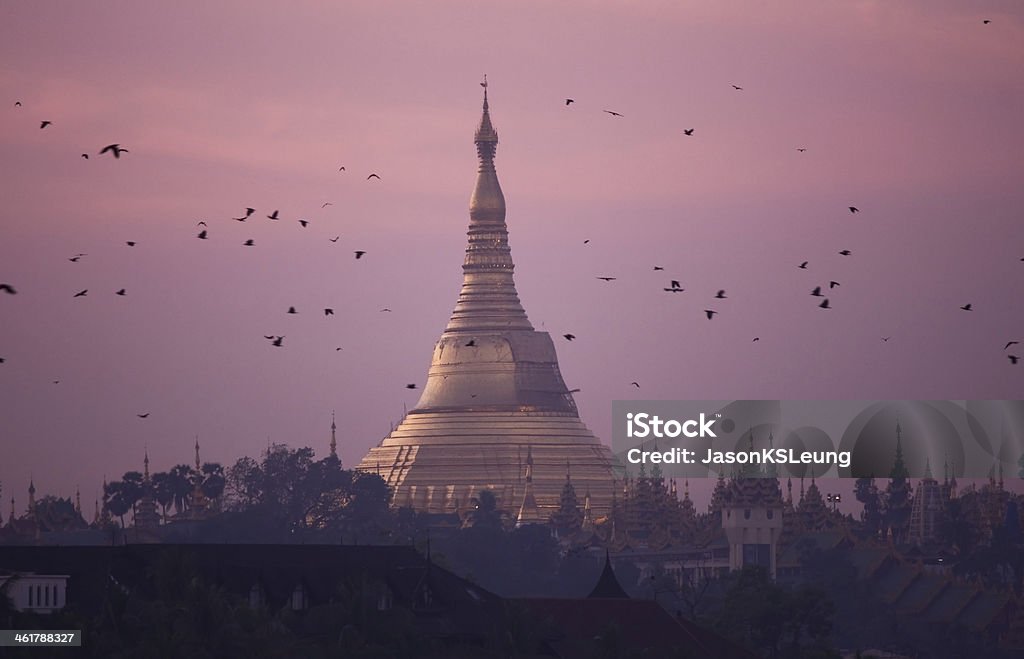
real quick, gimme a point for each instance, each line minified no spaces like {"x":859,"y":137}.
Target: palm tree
{"x":162,"y":491}
{"x":180,"y":477}
{"x":485,"y":511}
{"x":212,"y":480}
{"x":115,"y":500}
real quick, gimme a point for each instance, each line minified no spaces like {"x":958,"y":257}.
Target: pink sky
{"x":910,"y":113}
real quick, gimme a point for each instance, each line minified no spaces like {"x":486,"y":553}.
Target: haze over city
{"x":909,"y":114}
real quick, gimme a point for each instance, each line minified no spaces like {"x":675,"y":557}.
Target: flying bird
{"x":756,"y":338}
{"x":341,"y":169}
{"x":85,"y":155}
{"x":1013,"y":358}
{"x":569,"y":100}
{"x":385,"y":309}
{"x":853,"y":209}
{"x":800,"y":149}
{"x":17,"y":104}
{"x":967,"y":307}
{"x":824,"y":304}
{"x":845,"y":252}
{"x":588,"y":240}
{"x":120,"y":292}
{"x":277,"y":342}
{"x":326,"y":204}
{"x":614,"y":114}
{"x":44,"y":124}
{"x":635,"y":384}
{"x":986,"y":22}
{"x":359,"y":254}
{"x":687,"y":131}
{"x":803,"y":266}
{"x":674,"y":287}
{"x":7,"y":288}
{"x":74,"y":259}
{"x":833,"y":284}
{"x":2,"y":360}
{"x":81,"y":293}
{"x":885,"y":339}
{"x":248,"y":243}
{"x":607,"y":278}
{"x":248,"y":212}
{"x":710,"y":313}
{"x":658,"y":267}
{"x":720,"y":295}
{"x":292,"y":310}
{"x":328,"y":311}
{"x":737,"y":87}
{"x":130,"y":243}
{"x":304,"y":223}
{"x":816,"y":292}
{"x":410,"y":386}
{"x":142,"y":416}
{"x":268,"y":337}
{"x":1008,"y":343}
{"x":569,"y":337}
{"x":373,"y":176}
{"x":200,"y":223}
{"x":334,"y":239}
{"x":114,"y":149}
{"x":574,"y":391}
{"x":202,"y":235}
{"x":471,"y":343}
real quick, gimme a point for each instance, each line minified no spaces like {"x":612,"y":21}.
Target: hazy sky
{"x":912,"y":113}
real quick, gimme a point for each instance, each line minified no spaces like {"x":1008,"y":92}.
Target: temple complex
{"x":495,"y":413}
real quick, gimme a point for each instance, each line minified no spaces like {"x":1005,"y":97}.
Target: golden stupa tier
{"x":494,"y":392}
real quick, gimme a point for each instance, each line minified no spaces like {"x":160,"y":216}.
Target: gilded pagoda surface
{"x":494,"y":393}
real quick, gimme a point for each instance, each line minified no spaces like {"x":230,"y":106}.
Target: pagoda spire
{"x":199,"y":467}
{"x":334,"y":441}
{"x":488,"y":299}
{"x":31,"y":497}
{"x":78,"y":501}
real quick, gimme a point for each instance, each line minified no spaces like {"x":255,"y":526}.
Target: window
{"x":299,"y":602}
{"x":46,"y":595}
{"x":30,"y":593}
{"x":757,"y":555}
{"x":746,"y":513}
{"x":770,"y":514}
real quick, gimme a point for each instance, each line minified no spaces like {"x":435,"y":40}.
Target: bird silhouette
{"x":85,"y":155}
{"x":75,"y":259}
{"x":607,"y":278}
{"x":304,"y":223}
{"x":410,"y":386}
{"x":720,"y":295}
{"x":341,"y":169}
{"x":268,"y":337}
{"x":200,"y":223}
{"x":569,"y":337}
{"x":710,"y":313}
{"x":674,"y":287}
{"x":1008,"y":343}
{"x":853,"y":209}
{"x":824,"y":304}
{"x":130,"y":243}
{"x":986,"y":22}
{"x":756,"y":338}
{"x":120,"y":292}
{"x":334,"y":239}
{"x":292,"y":310}
{"x":2,"y":360}
{"x":658,"y":267}
{"x":967,"y":307}
{"x":737,"y":88}
{"x":114,"y":149}
{"x":274,"y":215}
{"x":1013,"y":358}
{"x":373,"y":176}
{"x":328,"y":311}
{"x":277,"y":342}
{"x":471,"y":343}
{"x":248,"y":213}
{"x":359,"y":254}
{"x":143,"y":416}
{"x":384,"y":310}
{"x":833,"y":284}
{"x":803,"y":266}
{"x":202,"y":235}
{"x":17,"y":104}
{"x":569,"y":100}
{"x":687,"y":131}
{"x":885,"y":339}
{"x":7,"y":288}
{"x":249,"y":243}
{"x":44,"y":124}
{"x":81,"y":293}
{"x":588,"y":241}
{"x":801,"y":150}
{"x":614,"y":114}
{"x":326,"y":204}
{"x":635,"y":384}
{"x":816,"y":292}
{"x":845,"y":252}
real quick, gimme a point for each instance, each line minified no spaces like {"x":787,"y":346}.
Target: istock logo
{"x":644,"y":425}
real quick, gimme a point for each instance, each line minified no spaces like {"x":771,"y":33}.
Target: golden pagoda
{"x":493,"y":392}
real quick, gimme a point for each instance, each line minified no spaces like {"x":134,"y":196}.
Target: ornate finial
{"x":567,"y":459}
{"x":78,"y":501}
{"x":145,"y":466}
{"x":198,"y":466}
